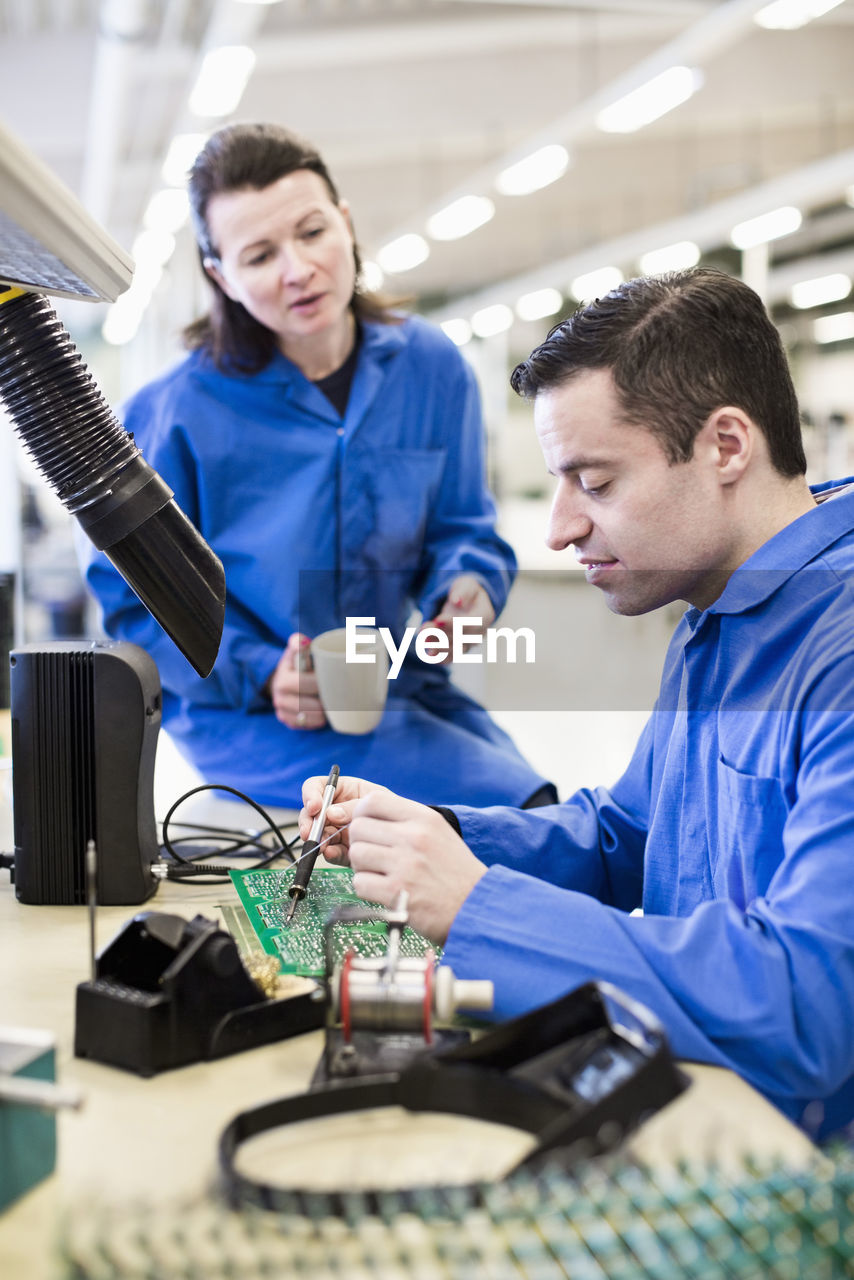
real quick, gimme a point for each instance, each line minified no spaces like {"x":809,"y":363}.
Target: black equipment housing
{"x":170,"y":991}
{"x":85,"y":720}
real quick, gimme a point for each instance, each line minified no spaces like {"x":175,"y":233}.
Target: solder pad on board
{"x":299,"y":945}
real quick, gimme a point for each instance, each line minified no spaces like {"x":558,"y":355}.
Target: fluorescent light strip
{"x":834,"y":328}
{"x":458,"y":330}
{"x":788,"y":15}
{"x":123,"y":317}
{"x":538,"y":304}
{"x":534,"y":172}
{"x":180,"y":155}
{"x":167,"y":210}
{"x":491,"y":320}
{"x":460,"y":218}
{"x":821,"y":290}
{"x":404,"y":253}
{"x":120,"y":323}
{"x":372,"y":276}
{"x":594,"y":284}
{"x":223,"y":76}
{"x":768,"y":226}
{"x":153,"y":246}
{"x":672,"y":257}
{"x":650,"y":101}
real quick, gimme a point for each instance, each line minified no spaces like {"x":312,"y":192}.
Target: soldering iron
{"x":308,"y":856}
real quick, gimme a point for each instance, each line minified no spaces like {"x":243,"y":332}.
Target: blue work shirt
{"x":316,"y":518}
{"x":733,"y":828}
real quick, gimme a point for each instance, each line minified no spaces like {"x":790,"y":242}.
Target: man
{"x":667,"y":413}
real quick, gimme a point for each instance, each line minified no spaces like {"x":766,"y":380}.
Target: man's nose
{"x":568,"y":524}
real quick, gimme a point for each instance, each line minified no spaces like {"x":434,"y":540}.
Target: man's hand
{"x":339,"y":813}
{"x":398,"y":845}
{"x":292,"y":692}
{"x":466,"y":598}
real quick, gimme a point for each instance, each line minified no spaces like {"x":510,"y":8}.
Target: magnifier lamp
{"x":49,"y":245}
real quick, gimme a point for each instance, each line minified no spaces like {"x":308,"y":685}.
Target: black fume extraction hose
{"x":101,"y":477}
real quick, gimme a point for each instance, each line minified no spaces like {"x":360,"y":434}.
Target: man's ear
{"x":732,"y":437}
{"x":216,"y":275}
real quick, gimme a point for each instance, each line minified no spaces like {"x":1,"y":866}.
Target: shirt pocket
{"x":399,"y":489}
{"x":751,"y":815}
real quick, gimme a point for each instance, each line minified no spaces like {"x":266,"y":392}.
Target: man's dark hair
{"x":679,"y":346}
{"x":243,"y":157}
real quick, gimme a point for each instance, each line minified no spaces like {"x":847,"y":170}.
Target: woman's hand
{"x":466,"y":598}
{"x":292,"y":692}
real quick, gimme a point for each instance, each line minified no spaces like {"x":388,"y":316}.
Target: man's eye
{"x":596,"y":490}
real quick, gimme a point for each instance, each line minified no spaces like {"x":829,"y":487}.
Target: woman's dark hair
{"x":253,"y":156}
{"x":678,"y":347}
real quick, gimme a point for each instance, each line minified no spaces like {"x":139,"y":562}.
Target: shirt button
{"x":340,"y":431}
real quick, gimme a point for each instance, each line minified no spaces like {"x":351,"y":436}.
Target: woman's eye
{"x":312,"y":233}
{"x":259,"y":258}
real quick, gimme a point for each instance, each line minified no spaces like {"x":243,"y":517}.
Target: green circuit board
{"x":299,"y":945}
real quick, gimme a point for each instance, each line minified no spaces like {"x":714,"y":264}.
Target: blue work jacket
{"x":315,"y":518}
{"x":733,"y":828}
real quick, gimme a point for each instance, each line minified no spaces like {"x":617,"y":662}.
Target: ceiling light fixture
{"x":123,"y":318}
{"x":167,"y":210}
{"x":404,"y":253}
{"x":538,"y":304}
{"x":650,"y":101}
{"x":460,"y":218}
{"x":491,"y":320}
{"x":180,"y":155}
{"x":120,"y":323}
{"x":594,"y":284}
{"x":152,"y":246}
{"x":834,"y":328}
{"x":223,"y":76}
{"x":458,"y":330}
{"x":768,"y":226}
{"x":787,"y":15}
{"x":371,"y":276}
{"x":534,"y":172}
{"x":821,"y":290}
{"x":672,"y":257}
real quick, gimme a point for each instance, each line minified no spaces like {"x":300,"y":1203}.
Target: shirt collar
{"x":379,"y":341}
{"x":789,"y":551}
{"x":383,"y":340}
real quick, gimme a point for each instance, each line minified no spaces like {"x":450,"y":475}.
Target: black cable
{"x":189,"y":868}
{"x":227,"y":842}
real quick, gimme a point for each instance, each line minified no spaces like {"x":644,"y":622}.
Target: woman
{"x":330,"y":451}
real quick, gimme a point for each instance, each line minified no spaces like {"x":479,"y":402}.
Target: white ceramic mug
{"x":353,"y":694}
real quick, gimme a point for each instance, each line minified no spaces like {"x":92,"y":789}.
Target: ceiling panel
{"x":412,"y":101}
